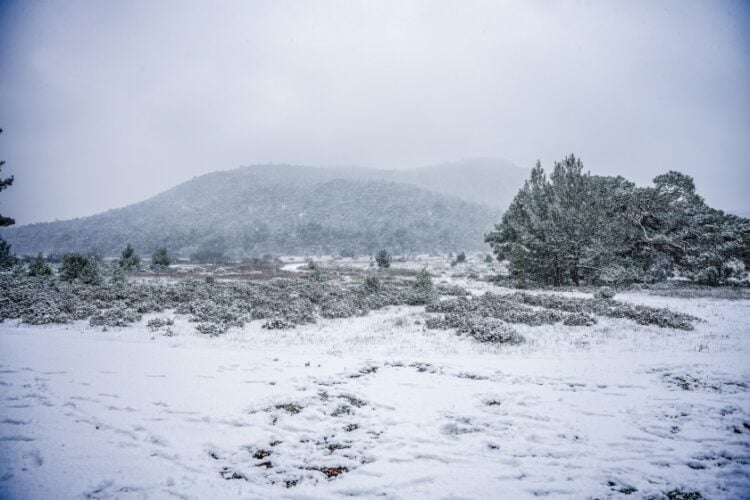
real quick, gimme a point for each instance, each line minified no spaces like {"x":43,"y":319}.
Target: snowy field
{"x":380,"y":407}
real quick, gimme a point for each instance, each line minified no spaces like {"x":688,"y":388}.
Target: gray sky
{"x":105,"y":103}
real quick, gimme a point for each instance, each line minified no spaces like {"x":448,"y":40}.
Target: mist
{"x":107,"y":103}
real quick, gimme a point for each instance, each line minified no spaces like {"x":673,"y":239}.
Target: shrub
{"x":156,"y":323}
{"x":316,"y":273}
{"x":579,"y":319}
{"x":7,"y":259}
{"x":371,"y":284}
{"x":39,"y":267}
{"x":491,"y":330}
{"x":160,"y":259}
{"x":460,"y":258}
{"x":605,"y":293}
{"x":129,"y":260}
{"x":212,"y":329}
{"x":488,"y":259}
{"x":383,"y":259}
{"x":118,"y":276}
{"x":277,"y":324}
{"x":422,"y":291}
{"x":78,"y":267}
{"x":120,"y":315}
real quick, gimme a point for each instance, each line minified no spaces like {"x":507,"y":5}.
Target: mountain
{"x":279,"y":209}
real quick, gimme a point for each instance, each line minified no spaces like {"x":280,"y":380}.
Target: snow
{"x":573,"y":412}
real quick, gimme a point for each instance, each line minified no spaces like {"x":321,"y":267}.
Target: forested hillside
{"x":272,"y":209}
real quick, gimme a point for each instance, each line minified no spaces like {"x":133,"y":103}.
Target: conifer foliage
{"x":574,"y":228}
{"x":6,"y":257}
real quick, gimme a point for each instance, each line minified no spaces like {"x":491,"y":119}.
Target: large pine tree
{"x":574,"y":228}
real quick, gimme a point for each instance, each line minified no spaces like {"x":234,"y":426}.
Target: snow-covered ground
{"x":379,"y":407}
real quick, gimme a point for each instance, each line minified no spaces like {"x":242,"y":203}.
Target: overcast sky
{"x":105,"y":103}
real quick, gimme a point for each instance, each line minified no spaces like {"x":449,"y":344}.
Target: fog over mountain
{"x":108,"y":103}
{"x":284,"y":209}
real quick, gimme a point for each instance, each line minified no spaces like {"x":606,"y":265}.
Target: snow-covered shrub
{"x":579,"y":319}
{"x":605,"y":293}
{"x":157,"y":323}
{"x":490,"y":330}
{"x":453,"y":290}
{"x":119,"y":315}
{"x":208,"y":311}
{"x":383,"y":259}
{"x":422,"y":291}
{"x":643,"y":315}
{"x":7,"y":259}
{"x":129,"y":260}
{"x":78,"y":267}
{"x":277,"y":323}
{"x":460,"y":304}
{"x":160,"y":259}
{"x":44,"y":312}
{"x":371,"y":284}
{"x":38,"y":267}
{"x":212,"y":329}
{"x":316,"y":273}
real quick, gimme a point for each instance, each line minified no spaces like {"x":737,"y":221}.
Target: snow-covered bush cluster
{"x":213,"y":306}
{"x":119,"y":315}
{"x":488,"y":317}
{"x":643,"y":315}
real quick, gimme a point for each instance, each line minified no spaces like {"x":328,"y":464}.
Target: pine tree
{"x":383,"y":258}
{"x":39,"y":267}
{"x":578,"y":228}
{"x":6,"y":257}
{"x":160,"y":259}
{"x":129,"y":260}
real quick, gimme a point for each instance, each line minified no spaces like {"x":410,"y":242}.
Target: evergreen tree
{"x":160,"y":259}
{"x":575,"y":228}
{"x":6,"y":257}
{"x":76,"y":266}
{"x":39,"y":267}
{"x":383,"y":259}
{"x":422,"y":290}
{"x":129,"y":260}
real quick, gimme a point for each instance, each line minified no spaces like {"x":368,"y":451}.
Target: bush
{"x":460,"y":259}
{"x":316,"y":273}
{"x":488,"y":259}
{"x":579,"y":319}
{"x":120,"y":315}
{"x":160,"y":259}
{"x":491,"y":330}
{"x":212,"y":329}
{"x":277,"y":324}
{"x":39,"y":267}
{"x":605,"y":293}
{"x":156,"y":323}
{"x":663,"y":318}
{"x":82,"y":268}
{"x":129,"y":260}
{"x":422,"y":291}
{"x":371,"y":284}
{"x":383,"y":259}
{"x":7,"y":259}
